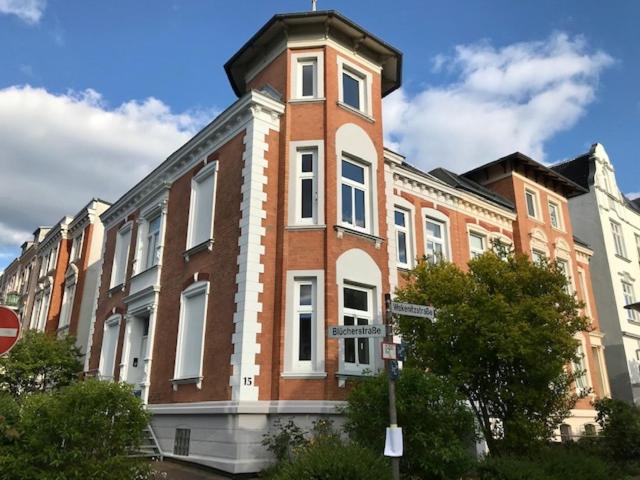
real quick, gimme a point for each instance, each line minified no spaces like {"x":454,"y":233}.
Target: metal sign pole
{"x":393,"y":415}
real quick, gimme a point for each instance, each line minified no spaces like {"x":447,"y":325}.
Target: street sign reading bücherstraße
{"x":413,"y":310}
{"x":9,"y":329}
{"x":356,"y":331}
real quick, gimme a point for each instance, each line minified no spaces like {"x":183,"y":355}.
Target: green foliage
{"x":620,"y":434}
{"x":285,"y":440}
{"x":9,"y":417}
{"x":503,"y":336}
{"x":327,"y":457}
{"x":438,"y":429}
{"x":566,"y":462}
{"x":82,"y":431}
{"x":38,"y":363}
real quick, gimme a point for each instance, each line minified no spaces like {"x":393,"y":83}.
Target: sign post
{"x":9,"y":329}
{"x":393,"y":431}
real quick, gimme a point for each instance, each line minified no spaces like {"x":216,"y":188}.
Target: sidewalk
{"x":179,"y":471}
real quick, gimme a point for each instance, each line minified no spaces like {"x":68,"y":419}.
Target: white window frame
{"x":585,"y":293}
{"x":618,"y":238}
{"x":147,"y":240}
{"x":76,"y":246}
{"x":209,"y":170}
{"x":473,"y":253}
{"x":195,"y":289}
{"x":408,"y":237}
{"x":558,"y":215}
{"x":582,"y":382}
{"x":293,"y":366}
{"x":298,"y":60}
{"x":120,"y":264}
{"x":434,"y":216}
{"x":638,"y":245}
{"x":112,"y":322}
{"x":537,"y":255}
{"x":536,"y":206}
{"x":570,"y":288}
{"x":67,"y":303}
{"x":629,"y":296}
{"x":366,"y":188}
{"x":357,"y":368}
{"x":300,"y":176}
{"x":365,"y":85}
{"x":294,"y":217}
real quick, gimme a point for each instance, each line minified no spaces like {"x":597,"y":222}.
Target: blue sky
{"x":97,"y":93}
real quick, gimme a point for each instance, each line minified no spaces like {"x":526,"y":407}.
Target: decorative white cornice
{"x":440,"y":193}
{"x":224,"y":127}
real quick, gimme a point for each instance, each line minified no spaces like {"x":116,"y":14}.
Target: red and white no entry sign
{"x":9,"y":329}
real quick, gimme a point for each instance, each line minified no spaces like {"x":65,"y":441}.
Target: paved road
{"x":178,"y":471}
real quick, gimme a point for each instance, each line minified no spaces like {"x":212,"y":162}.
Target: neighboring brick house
{"x":610,"y":223}
{"x":543,"y":228}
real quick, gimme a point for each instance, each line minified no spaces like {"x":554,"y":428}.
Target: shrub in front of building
{"x":437,"y":426}
{"x":86,"y":430}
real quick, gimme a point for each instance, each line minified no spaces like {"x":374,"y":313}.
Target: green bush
{"x":329,"y":458}
{"x":438,"y":429}
{"x":561,"y":462}
{"x":620,"y":434}
{"x":82,"y":431}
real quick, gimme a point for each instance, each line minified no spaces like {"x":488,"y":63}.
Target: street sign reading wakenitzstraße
{"x":413,"y":310}
{"x":356,"y":331}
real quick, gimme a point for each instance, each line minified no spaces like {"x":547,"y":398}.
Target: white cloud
{"x":29,"y":11}
{"x":633,"y":195}
{"x":59,"y":151}
{"x":502,"y":100}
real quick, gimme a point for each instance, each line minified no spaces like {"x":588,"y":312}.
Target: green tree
{"x":503,"y":336}
{"x":38,"y":363}
{"x":437,"y":426}
{"x":620,"y":434}
{"x":86,"y":430}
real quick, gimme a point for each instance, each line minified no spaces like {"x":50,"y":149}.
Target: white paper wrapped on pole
{"x":393,"y":442}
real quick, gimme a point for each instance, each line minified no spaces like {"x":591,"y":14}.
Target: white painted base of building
{"x":228,"y":435}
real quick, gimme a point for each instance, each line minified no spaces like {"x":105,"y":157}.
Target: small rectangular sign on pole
{"x":389,"y":351}
{"x":413,"y":310}
{"x":356,"y":331}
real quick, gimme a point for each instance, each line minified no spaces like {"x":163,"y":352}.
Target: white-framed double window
{"x":307,"y":75}
{"x":629,"y":298}
{"x":554,"y":215}
{"x":357,"y":309}
{"x":307,"y":186}
{"x":538,"y":256}
{"x":354,"y":86}
{"x":618,"y":239}
{"x":191,"y":331}
{"x":304,"y":325}
{"x":121,"y":256}
{"x":565,"y":268}
{"x":202,"y":206}
{"x":109,"y":347}
{"x":435,"y":240}
{"x":402,"y":222}
{"x":76,"y":247}
{"x":531,"y":199}
{"x":580,"y":371}
{"x":151,"y":247}
{"x":67,"y":304}
{"x":477,"y":244}
{"x":355,"y":194}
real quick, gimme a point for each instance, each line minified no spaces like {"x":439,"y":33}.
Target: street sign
{"x":356,"y":331}
{"x":9,"y":329}
{"x":389,"y":351}
{"x":394,"y":369}
{"x":401,"y":352}
{"x":413,"y":310}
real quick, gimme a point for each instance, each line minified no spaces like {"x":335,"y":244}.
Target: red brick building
{"x":223,"y":268}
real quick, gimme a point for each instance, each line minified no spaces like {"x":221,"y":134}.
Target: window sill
{"x":113,"y":290}
{"x":307,"y":100}
{"x":404,"y":269}
{"x":306,"y":227}
{"x":186,"y":381}
{"x":304,"y":375}
{"x":341,"y":230}
{"x":142,"y":272}
{"x":343,"y":376}
{"x":206,"y":245}
{"x":558,"y":229}
{"x":360,"y":113}
{"x":625,"y":259}
{"x":535,"y":219}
